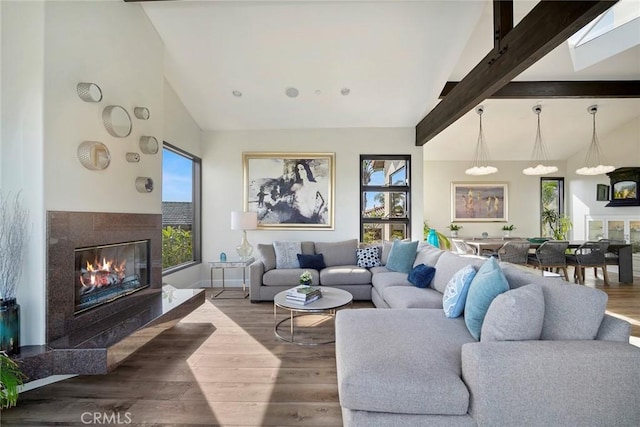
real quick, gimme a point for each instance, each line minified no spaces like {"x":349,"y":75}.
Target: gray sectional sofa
{"x":405,"y":364}
{"x":409,"y":365}
{"x":265,"y":280}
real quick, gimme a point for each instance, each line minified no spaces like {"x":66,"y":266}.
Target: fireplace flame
{"x":101,"y":274}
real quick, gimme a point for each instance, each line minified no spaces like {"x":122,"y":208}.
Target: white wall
{"x":622,"y":149}
{"x":223,"y":181}
{"x":523,"y":197}
{"x":21,"y":150}
{"x":115,"y":46}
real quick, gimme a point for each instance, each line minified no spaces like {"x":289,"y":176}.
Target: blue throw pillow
{"x":315,"y":262}
{"x":455,"y":293}
{"x":402,"y":256}
{"x":421,"y":275}
{"x":488,"y":284}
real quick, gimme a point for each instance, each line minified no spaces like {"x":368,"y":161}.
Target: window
{"x":180,"y":209}
{"x":551,"y":203}
{"x":385,"y":197}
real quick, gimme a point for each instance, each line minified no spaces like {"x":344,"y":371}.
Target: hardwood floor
{"x":222,"y":365}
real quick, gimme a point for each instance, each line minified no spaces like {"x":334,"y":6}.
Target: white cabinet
{"x":614,"y":228}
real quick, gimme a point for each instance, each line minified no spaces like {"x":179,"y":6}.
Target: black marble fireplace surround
{"x":67,"y":231}
{"x":97,"y":340}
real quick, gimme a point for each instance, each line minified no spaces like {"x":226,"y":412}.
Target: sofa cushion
{"x":488,"y":283}
{"x":402,"y":256}
{"x":455,"y":294}
{"x":386,"y":248}
{"x":427,"y":255}
{"x":338,"y":253}
{"x":519,"y":276}
{"x":268,"y":256}
{"x":383,"y":280}
{"x":515,"y":315}
{"x":308,"y":248}
{"x":288,"y":277}
{"x":368,"y":257}
{"x":571,"y":312}
{"x":449,"y":264}
{"x":287,"y":254}
{"x":412,"y":297}
{"x":345,"y":275}
{"x":421,"y":275}
{"x":315,"y":261}
{"x":401,"y":361}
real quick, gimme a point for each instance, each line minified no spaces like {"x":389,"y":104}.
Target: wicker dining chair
{"x":515,"y":252}
{"x":550,"y":255}
{"x":461,"y":247}
{"x":589,"y":254}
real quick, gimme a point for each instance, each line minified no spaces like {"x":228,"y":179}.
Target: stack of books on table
{"x":303,"y":294}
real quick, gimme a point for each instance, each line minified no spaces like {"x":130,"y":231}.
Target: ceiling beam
{"x":561,"y":89}
{"x":547,"y":25}
{"x":502,"y":21}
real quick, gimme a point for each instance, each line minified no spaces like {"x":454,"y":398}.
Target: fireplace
{"x":105,"y":273}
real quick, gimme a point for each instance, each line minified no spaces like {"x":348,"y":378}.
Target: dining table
{"x":623,"y":252}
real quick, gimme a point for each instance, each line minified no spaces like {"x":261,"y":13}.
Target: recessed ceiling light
{"x":318,"y":92}
{"x":291,"y":92}
{"x":237,"y":93}
{"x":345,"y":91}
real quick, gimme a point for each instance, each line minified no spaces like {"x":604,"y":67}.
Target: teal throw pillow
{"x":455,"y":293}
{"x":421,"y":275}
{"x":488,"y":283}
{"x":402,"y":256}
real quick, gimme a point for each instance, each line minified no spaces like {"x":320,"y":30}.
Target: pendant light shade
{"x":539,"y":154}
{"x":481,"y":157}
{"x":594,"y":161}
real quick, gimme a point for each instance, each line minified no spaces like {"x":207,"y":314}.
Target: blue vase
{"x":432,"y":238}
{"x":223,"y":257}
{"x":9,"y":326}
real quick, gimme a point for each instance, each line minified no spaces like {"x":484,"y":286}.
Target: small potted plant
{"x":305,"y":278}
{"x":507,"y":229}
{"x":11,"y":378}
{"x":454,"y":229}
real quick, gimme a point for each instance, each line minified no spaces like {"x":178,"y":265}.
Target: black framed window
{"x":181,"y":201}
{"x":551,"y":200}
{"x":385,"y":197}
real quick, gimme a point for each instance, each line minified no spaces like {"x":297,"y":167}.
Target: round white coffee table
{"x":332,"y":300}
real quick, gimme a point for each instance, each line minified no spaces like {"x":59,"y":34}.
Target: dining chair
{"x":611,"y":257}
{"x":550,"y":255}
{"x":461,"y":247}
{"x":515,"y":252}
{"x":589,"y":254}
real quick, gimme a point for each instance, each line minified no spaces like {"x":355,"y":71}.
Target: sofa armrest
{"x":256,"y":270}
{"x":587,"y":383}
{"x":614,"y":329}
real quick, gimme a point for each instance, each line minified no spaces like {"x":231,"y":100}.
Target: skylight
{"x":612,"y":32}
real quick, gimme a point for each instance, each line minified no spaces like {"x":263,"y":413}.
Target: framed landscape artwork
{"x":479,"y":202}
{"x":290,"y":190}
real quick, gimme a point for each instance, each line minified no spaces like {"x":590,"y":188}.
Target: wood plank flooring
{"x":222,"y":365}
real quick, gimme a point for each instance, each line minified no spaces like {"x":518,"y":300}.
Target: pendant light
{"x":481,"y":157}
{"x":539,"y":153}
{"x":594,"y":161}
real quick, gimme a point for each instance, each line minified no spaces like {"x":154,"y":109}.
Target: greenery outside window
{"x":385,"y":197}
{"x":551,"y":201}
{"x":181,"y":222}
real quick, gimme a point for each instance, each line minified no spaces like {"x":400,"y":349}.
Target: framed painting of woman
{"x":290,"y":190}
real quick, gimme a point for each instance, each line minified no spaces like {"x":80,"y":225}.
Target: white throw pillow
{"x":287,"y":254}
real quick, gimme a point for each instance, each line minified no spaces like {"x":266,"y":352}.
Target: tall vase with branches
{"x":13,"y":239}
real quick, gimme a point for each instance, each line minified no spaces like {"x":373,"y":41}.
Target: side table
{"x":222,"y":265}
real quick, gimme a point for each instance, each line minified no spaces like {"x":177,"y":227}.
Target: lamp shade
{"x":244,"y":220}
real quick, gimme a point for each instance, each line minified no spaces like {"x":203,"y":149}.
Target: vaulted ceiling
{"x":394,"y":58}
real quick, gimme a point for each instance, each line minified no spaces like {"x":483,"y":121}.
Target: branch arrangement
{"x":13,"y":238}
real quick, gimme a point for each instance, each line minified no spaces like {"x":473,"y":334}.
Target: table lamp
{"x":244,"y":221}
